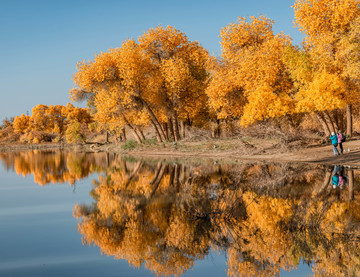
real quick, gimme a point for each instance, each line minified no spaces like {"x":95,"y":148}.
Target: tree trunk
{"x":141,"y":134}
{"x":182,"y":128}
{"x":188,"y":121}
{"x":351,"y":185}
{"x":342,"y":121}
{"x":323,"y":122}
{"x":120,"y":138}
{"x":136,"y":135}
{"x":123,"y":134}
{"x":176,"y":127}
{"x":157,"y":133}
{"x":349,"y":122}
{"x":216,"y":129}
{"x":106,"y":136}
{"x":330,"y":121}
{"x":171,"y":129}
{"x":336,"y":120}
{"x":155,"y":120}
{"x":166,"y":130}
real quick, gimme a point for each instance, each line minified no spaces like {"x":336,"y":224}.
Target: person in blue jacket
{"x":334,"y":142}
{"x":335,"y":178}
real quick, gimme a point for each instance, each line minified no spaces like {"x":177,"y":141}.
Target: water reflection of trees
{"x":168,"y":215}
{"x":55,"y":166}
{"x":265,"y":217}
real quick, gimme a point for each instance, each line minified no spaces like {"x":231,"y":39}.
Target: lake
{"x":101,"y":214}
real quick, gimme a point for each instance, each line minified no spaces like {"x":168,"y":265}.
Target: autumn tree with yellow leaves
{"x":153,"y":82}
{"x":166,"y":81}
{"x":50,"y":119}
{"x":21,"y":123}
{"x":251,"y":75}
{"x":316,"y":91}
{"x":181,"y":65}
{"x":328,"y":26}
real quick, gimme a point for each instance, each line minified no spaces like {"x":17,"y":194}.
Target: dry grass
{"x":7,"y":135}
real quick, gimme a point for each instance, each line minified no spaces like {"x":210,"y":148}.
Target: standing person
{"x":342,"y":178}
{"x":334,"y":142}
{"x":335,"y":179}
{"x":341,"y":139}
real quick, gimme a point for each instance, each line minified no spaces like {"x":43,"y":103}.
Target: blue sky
{"x":41,"y":41}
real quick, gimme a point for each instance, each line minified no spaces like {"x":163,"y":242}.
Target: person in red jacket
{"x":341,"y":139}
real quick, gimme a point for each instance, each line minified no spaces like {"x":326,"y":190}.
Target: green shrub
{"x":93,"y":126}
{"x":73,"y":133}
{"x":129,"y":145}
{"x":149,"y":141}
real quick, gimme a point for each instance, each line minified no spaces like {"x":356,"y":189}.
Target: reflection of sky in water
{"x":38,"y":234}
{"x":39,"y":237}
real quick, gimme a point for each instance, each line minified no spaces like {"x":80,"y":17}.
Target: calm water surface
{"x":99,"y":214}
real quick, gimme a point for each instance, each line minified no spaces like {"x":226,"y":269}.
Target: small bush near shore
{"x":129,"y":145}
{"x":149,"y":141}
{"x":73,"y":133}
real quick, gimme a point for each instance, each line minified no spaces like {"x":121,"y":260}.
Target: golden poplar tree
{"x":252,"y":54}
{"x":326,"y":23}
{"x":119,"y":81}
{"x":21,"y":123}
{"x":181,"y":66}
{"x":160,"y":76}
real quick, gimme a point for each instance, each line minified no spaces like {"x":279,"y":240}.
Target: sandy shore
{"x":309,"y":154}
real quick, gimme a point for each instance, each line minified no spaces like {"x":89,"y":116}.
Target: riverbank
{"x":244,"y":149}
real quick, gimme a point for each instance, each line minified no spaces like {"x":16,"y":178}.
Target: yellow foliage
{"x":321,"y":19}
{"x":255,"y":72}
{"x":226,"y":96}
{"x":329,"y":28}
{"x":21,"y":124}
{"x":325,"y":92}
{"x":49,"y":119}
{"x":181,"y":66}
{"x":156,"y":78}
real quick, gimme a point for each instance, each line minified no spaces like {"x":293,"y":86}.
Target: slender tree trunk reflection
{"x":171,"y":179}
{"x":156,"y":184}
{"x":157,"y":171}
{"x":177,"y":175}
{"x":351,"y":185}
{"x":135,"y":171}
